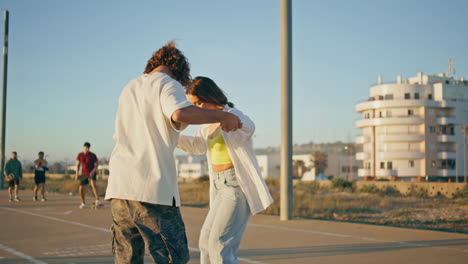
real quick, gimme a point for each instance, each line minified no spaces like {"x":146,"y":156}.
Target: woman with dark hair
{"x":237,"y":188}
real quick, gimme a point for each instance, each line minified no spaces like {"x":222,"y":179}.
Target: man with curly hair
{"x":142,"y":185}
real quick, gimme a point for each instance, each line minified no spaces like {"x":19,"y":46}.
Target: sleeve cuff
{"x":179,"y":126}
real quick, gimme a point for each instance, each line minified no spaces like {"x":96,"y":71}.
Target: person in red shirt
{"x":88,"y":162}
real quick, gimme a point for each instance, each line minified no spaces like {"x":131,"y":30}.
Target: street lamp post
{"x":4,"y":94}
{"x":286,"y":110}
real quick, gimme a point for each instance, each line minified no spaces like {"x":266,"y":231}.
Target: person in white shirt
{"x":142,"y":185}
{"x":237,"y":188}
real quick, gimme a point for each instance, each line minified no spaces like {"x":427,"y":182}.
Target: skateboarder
{"x":88,"y":162}
{"x":13,"y":174}
{"x":40,"y":168}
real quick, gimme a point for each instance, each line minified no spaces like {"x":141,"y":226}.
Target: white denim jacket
{"x":240,"y":148}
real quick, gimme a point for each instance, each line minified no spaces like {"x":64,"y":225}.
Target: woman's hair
{"x":207,"y":91}
{"x":174,"y":59}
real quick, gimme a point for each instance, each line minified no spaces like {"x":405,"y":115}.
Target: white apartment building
{"x":411,"y":129}
{"x":189,"y":167}
{"x":343,"y":166}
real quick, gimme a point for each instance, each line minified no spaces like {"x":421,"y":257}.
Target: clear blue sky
{"x":69,"y":60}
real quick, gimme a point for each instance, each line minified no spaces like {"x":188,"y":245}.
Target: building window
{"x":407,"y":96}
{"x":432,"y":129}
{"x":452,"y":164}
{"x":389,"y":165}
{"x":411,"y":163}
{"x":410,"y":112}
{"x":444,"y":164}
{"x":429,"y":97}
{"x":388,"y":113}
{"x":416,"y":95}
{"x":433,"y":164}
{"x":389,"y":97}
{"x":442,"y":130}
{"x":381,"y":97}
{"x":382,"y":165}
{"x":380,"y":114}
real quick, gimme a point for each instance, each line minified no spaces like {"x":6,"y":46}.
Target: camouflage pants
{"x":159,"y":227}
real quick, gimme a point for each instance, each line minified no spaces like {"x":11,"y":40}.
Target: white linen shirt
{"x":240,"y":148}
{"x":142,"y":166}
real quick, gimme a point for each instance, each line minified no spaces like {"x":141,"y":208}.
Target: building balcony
{"x":400,"y":138}
{"x":385,"y":173}
{"x":397,"y":103}
{"x":404,"y":120}
{"x":446,"y":172}
{"x":446,"y":120}
{"x":364,"y":172}
{"x":362,"y":139}
{"x":400,"y":155}
{"x":362,"y":156}
{"x":446,"y":138}
{"x":446,"y":155}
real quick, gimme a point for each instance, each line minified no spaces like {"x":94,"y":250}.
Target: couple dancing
{"x":142,"y":187}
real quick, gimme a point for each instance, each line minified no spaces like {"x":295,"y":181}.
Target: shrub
{"x":369,"y":188}
{"x":308,"y":187}
{"x":203,"y":178}
{"x":390,"y":190}
{"x":272,"y":182}
{"x":461,"y":193}
{"x":341,"y":184}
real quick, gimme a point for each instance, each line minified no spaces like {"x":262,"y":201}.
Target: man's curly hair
{"x":174,"y":59}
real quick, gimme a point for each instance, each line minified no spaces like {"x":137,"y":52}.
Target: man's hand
{"x":230,"y":122}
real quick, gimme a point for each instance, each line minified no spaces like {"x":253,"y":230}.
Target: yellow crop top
{"x":218,"y":150}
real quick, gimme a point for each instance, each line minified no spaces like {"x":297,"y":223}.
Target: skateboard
{"x":93,"y":206}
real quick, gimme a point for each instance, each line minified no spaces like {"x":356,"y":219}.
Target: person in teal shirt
{"x":13,"y":174}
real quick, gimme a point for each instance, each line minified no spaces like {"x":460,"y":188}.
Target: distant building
{"x":269,"y":165}
{"x":343,"y":166}
{"x":411,"y":129}
{"x":189,"y":167}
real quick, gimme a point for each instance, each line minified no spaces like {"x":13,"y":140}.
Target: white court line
{"x":354,"y":237}
{"x":21,"y":255}
{"x":107,"y":230}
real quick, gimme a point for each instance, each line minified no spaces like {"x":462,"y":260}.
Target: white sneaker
{"x":43,"y":199}
{"x":97,"y":203}
{"x":17,"y":199}
{"x":83,"y":205}
{"x":35,"y":198}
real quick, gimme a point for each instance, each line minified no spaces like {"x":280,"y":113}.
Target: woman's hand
{"x":230,"y":122}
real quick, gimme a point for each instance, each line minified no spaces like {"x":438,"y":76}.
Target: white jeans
{"x":226,"y":221}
